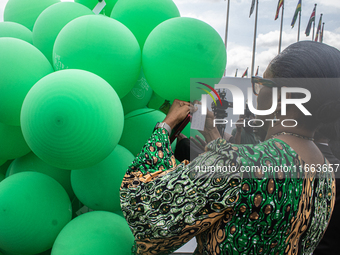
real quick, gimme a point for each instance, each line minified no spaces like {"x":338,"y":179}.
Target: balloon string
{"x":140,"y":114}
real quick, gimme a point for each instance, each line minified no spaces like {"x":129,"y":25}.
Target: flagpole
{"x":226,"y":32}
{"x":298,"y":39}
{"x":323,"y":27}
{"x":283,"y":6}
{"x":314,"y":23}
{"x":254,"y":42}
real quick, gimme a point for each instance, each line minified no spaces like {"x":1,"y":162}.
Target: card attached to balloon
{"x":99,"y":7}
{"x":198,"y":119}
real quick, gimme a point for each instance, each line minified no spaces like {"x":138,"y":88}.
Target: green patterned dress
{"x":245,"y":209}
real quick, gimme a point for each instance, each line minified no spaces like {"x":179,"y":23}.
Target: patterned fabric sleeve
{"x":156,"y":155}
{"x":166,"y":205}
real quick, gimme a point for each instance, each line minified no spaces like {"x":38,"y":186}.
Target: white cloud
{"x":239,"y":57}
{"x":332,"y":39}
{"x":330,"y":3}
{"x":266,"y":49}
{"x":271,"y":39}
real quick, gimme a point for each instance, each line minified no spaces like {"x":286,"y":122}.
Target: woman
{"x":236,"y":212}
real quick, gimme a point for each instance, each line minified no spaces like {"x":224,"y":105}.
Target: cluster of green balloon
{"x":51,"y":21}
{"x":92,"y":3}
{"x":15,"y":30}
{"x":138,"y":128}
{"x":97,"y":232}
{"x":98,"y":186}
{"x":141,"y":17}
{"x":72,"y":119}
{"x":12,"y":139}
{"x":26,"y":12}
{"x":100,"y":45}
{"x":22,"y":65}
{"x":29,"y":220}
{"x":139,"y":95}
{"x":31,"y":162}
{"x":180,"y":49}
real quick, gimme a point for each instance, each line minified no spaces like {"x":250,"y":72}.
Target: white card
{"x":198,"y":120}
{"x":99,"y":7}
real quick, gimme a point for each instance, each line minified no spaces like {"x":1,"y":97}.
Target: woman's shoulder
{"x":272,"y":151}
{"x":268,"y":146}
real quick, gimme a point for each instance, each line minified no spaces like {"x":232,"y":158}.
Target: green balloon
{"x":139,"y":95}
{"x":7,"y":174}
{"x":48,"y":252}
{"x":155,"y":101}
{"x":141,"y":17}
{"x":15,"y":30}
{"x":72,"y":119}
{"x":12,"y":142}
{"x":180,"y":49}
{"x":26,"y":12}
{"x":120,"y":213}
{"x":4,"y":167}
{"x":92,"y":3}
{"x":2,"y":161}
{"x":98,"y":186}
{"x":2,"y":177}
{"x":76,"y":206}
{"x":32,"y":163}
{"x":102,"y":46}
{"x":33,"y":210}
{"x":22,"y":65}
{"x":51,"y":21}
{"x":138,"y":128}
{"x":98,"y":232}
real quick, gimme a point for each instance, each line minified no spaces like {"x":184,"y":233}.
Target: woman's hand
{"x":210,"y":132}
{"x":177,"y":113}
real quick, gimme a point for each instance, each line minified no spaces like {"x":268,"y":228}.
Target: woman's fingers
{"x":196,"y":102}
{"x":193,"y":109}
{"x":201,"y":140}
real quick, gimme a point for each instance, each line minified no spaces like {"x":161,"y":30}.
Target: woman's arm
{"x":166,"y":205}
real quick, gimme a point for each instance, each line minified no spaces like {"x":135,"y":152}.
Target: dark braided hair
{"x":315,"y":67}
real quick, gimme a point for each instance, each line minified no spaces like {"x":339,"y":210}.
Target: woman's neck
{"x":295,"y":130}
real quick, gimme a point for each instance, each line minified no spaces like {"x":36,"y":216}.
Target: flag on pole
{"x":310,"y":22}
{"x":245,"y":73}
{"x":236,"y":73}
{"x":279,"y":5}
{"x":321,"y":35}
{"x":257,"y":71}
{"x":252,"y":8}
{"x":319,"y":28}
{"x":298,"y":9}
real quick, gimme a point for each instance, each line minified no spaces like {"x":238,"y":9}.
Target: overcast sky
{"x":241,"y":27}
